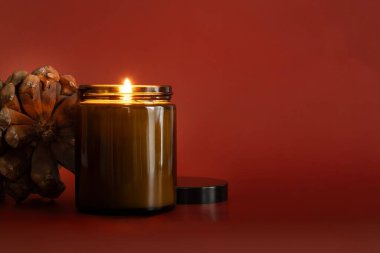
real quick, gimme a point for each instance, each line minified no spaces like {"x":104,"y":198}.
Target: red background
{"x":281,"y":98}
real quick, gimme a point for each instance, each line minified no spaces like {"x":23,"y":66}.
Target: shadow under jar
{"x":125,"y":150}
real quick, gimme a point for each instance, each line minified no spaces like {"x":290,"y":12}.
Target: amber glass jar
{"x":125,"y":149}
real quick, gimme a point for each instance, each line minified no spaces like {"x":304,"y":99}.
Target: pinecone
{"x":36,"y":132}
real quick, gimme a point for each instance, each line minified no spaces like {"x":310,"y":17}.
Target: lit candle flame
{"x":126,"y":88}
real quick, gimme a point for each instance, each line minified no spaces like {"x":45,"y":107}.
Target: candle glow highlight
{"x":126,"y":89}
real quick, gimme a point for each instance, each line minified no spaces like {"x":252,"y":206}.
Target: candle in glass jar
{"x":125,"y":150}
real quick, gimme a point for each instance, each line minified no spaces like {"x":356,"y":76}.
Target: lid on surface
{"x":201,"y":190}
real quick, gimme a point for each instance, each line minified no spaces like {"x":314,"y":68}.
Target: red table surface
{"x":248,"y":222}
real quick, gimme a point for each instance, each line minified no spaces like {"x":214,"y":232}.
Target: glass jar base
{"x":126,"y":211}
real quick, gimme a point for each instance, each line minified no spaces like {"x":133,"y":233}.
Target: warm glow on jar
{"x":125,"y":146}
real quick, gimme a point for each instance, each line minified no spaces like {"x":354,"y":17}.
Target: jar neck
{"x":116,"y":94}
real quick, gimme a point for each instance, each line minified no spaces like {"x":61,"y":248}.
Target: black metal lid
{"x":201,"y":190}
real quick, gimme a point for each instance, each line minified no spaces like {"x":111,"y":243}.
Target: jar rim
{"x":115,"y":91}
{"x":100,"y":88}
